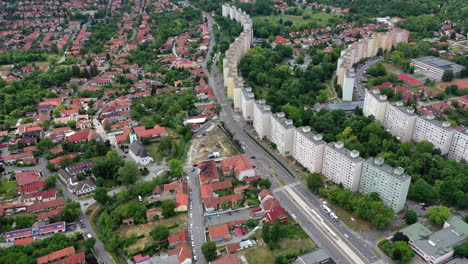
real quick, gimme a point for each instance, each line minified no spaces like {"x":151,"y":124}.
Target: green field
{"x":322,"y":19}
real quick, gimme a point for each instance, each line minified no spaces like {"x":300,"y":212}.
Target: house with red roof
{"x":139,"y":259}
{"x":26,"y":178}
{"x":56,"y":255}
{"x":208,"y":189}
{"x":182,"y":237}
{"x":154,"y":214}
{"x":82,"y":136}
{"x":156,"y":131}
{"x":44,"y":196}
{"x":208,"y":171}
{"x":219,"y":233}
{"x":281,"y":40}
{"x":239,"y":165}
{"x":74,"y":259}
{"x":227,"y":259}
{"x":214,"y":203}
{"x":183,"y":253}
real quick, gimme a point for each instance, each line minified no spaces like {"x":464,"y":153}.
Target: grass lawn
{"x":227,"y":144}
{"x":145,"y":229}
{"x":320,"y":18}
{"x":259,"y":255}
{"x":360,"y":226}
{"x":420,"y":76}
{"x":391,"y":68}
{"x":8,"y":188}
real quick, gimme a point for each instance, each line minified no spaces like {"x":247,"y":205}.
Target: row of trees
{"x":367,"y":206}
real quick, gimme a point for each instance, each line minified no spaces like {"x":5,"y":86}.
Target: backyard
{"x":308,"y":16}
{"x":176,"y":224}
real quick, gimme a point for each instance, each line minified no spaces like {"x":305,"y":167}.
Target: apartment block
{"x":308,"y":149}
{"x":282,"y":131}
{"x":341,"y":165}
{"x":392,"y":184}
{"x":375,"y":104}
{"x":247,"y":102}
{"x":261,"y":121}
{"x":400,"y":121}
{"x":438,"y":133}
{"x":459,"y":147}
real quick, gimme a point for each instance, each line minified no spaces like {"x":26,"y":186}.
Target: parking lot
{"x":226,"y":217}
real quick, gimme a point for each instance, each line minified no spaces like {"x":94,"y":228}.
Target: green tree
{"x":275,"y":233}
{"x":51,"y":167}
{"x":266,"y":233}
{"x":24,"y":221}
{"x":461,"y":251}
{"x":160,"y":233}
{"x":89,"y":244}
{"x":411,"y":217}
{"x":402,"y":252}
{"x":50,"y":182}
{"x":209,"y":250}
{"x":399,"y":236}
{"x":70,"y":211}
{"x":447,"y":76}
{"x":175,"y":166}
{"x":281,"y":260}
{"x":65,"y":162}
{"x":168,"y":208}
{"x":165,"y":145}
{"x":322,"y":97}
{"x":129,"y":173}
{"x":422,"y":191}
{"x":101,"y":196}
{"x":438,"y":214}
{"x":314,"y":182}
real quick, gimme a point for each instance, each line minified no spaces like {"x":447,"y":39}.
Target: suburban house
{"x":153,"y":214}
{"x":208,"y":189}
{"x":241,"y":166}
{"x":219,"y":233}
{"x":82,"y":187}
{"x":227,"y":259}
{"x":183,"y":253}
{"x":182,"y":237}
{"x":56,"y":255}
{"x":208,"y":171}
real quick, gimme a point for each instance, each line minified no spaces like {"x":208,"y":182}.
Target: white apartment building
{"x":261,"y":120}
{"x":247,"y":102}
{"x":282,"y":131}
{"x":308,"y":149}
{"x":459,"y":147}
{"x":375,"y":104}
{"x":342,"y":166}
{"x":400,"y":121}
{"x":392,"y":184}
{"x":439,"y":134}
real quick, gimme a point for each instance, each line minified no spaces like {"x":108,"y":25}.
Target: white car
{"x":346,"y":235}
{"x":191,"y":215}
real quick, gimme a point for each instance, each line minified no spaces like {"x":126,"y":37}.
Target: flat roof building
{"x":261,"y":121}
{"x":342,"y":166}
{"x":400,"y":121}
{"x":308,"y":149}
{"x":438,"y":133}
{"x":392,"y":184}
{"x":375,"y":104}
{"x":459,"y":147}
{"x":436,"y":65}
{"x":282,"y":130}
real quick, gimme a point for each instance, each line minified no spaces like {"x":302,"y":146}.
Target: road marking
{"x":315,"y":217}
{"x":279,"y":189}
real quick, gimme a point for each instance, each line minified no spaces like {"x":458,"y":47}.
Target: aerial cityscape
{"x":234,"y":132}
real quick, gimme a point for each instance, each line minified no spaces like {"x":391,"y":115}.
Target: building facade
{"x":375,"y":104}
{"x":342,"y":166}
{"x":392,"y":184}
{"x":308,"y":149}
{"x":281,"y":130}
{"x":439,"y":134}
{"x":400,"y":121}
{"x":459,"y":147}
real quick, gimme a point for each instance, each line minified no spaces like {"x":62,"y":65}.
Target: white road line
{"x":315,"y":217}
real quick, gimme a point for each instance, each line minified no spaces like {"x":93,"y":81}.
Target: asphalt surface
{"x":196,"y":219}
{"x":359,"y":90}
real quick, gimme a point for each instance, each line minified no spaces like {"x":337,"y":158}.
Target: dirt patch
{"x":214,"y":140}
{"x":145,"y":229}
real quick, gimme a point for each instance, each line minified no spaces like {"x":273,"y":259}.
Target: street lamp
{"x":354,"y":222}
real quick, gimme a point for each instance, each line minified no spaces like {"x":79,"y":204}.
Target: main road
{"x":296,"y":199}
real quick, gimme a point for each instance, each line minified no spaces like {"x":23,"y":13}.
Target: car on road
{"x":253,"y":157}
{"x":124,"y":156}
{"x":218,"y":215}
{"x":191,"y":215}
{"x":81,"y":220}
{"x":346,"y":235}
{"x":83,"y":226}
{"x":85,"y":204}
{"x":209,"y":217}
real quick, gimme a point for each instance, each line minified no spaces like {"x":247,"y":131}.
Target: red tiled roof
{"x":46,"y":215}
{"x":26,"y":178}
{"x":182,"y":251}
{"x":237,"y":164}
{"x":56,"y":255}
{"x":179,"y":238}
{"x":24,"y":241}
{"x":45,"y":205}
{"x":140,"y":258}
{"x":75,"y":259}
{"x":227,"y":259}
{"x":281,"y":40}
{"x":32,"y":187}
{"x":219,"y":231}
{"x":208,"y":189}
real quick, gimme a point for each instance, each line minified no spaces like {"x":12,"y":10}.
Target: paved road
{"x":197,"y":223}
{"x":359,"y":90}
